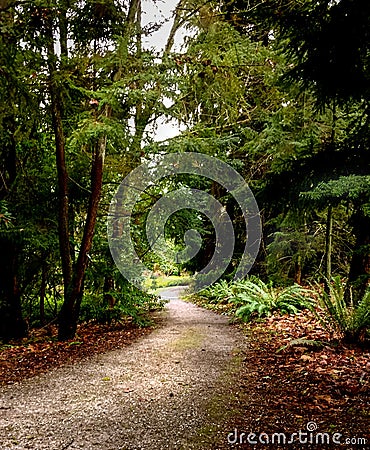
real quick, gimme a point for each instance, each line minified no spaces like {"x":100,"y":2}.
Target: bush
{"x":259,"y":299}
{"x":31,"y":309}
{"x":351,"y":321}
{"x":129,"y":302}
{"x":220,"y":292}
{"x":254,"y":298}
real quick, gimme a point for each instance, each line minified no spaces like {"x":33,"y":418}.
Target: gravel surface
{"x":173,"y":389}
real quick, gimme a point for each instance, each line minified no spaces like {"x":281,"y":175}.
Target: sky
{"x":158,"y":11}
{"x":161,"y":11}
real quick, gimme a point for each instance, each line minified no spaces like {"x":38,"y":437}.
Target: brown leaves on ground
{"x":41,"y":351}
{"x":283,"y":386}
{"x":288,"y":386}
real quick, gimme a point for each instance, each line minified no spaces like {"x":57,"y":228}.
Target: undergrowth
{"x":253,"y":298}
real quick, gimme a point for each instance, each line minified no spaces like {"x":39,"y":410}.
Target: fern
{"x":254,"y":298}
{"x":350,"y":321}
{"x":261,"y":299}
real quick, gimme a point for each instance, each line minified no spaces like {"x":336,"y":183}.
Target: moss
{"x":191,"y":338}
{"x":224,"y":407}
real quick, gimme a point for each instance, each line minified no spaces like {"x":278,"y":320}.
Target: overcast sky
{"x":161,"y":11}
{"x":158,"y":11}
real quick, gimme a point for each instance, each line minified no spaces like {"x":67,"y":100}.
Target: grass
{"x":163,"y":281}
{"x":189,"y":339}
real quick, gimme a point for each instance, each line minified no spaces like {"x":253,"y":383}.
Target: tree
{"x":327,"y":43}
{"x":74,"y":274}
{"x":331,"y":52}
{"x":352,"y":189}
{"x":80,"y":71}
{"x":15,"y":106}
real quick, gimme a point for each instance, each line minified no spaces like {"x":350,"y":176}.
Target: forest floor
{"x":191,"y":381}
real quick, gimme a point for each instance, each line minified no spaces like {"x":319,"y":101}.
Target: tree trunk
{"x":359,"y":274}
{"x":44,"y":272}
{"x":176,"y":25}
{"x":108,"y":288}
{"x":67,"y":317}
{"x":298,"y":270}
{"x":12,"y":324}
{"x":73,"y":280}
{"x":69,"y":313}
{"x":63,"y":194}
{"x":328,"y":247}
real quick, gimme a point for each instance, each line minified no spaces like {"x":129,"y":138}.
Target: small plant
{"x":128,"y":302}
{"x":260,"y":299}
{"x":221,"y":292}
{"x":254,"y":298}
{"x":351,"y":321}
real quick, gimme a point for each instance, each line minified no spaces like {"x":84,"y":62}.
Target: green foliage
{"x":31,"y":308}
{"x":163,"y":281}
{"x":253,"y":298}
{"x":127,"y":303}
{"x":225,"y":81}
{"x":220,"y":292}
{"x":294,"y":247}
{"x":258,"y":299}
{"x":351,"y":321}
{"x":354,"y":188}
{"x":327,"y":42}
{"x":5,"y":215}
{"x":297,"y":247}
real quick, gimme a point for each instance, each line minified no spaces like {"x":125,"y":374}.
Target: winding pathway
{"x":173,"y":389}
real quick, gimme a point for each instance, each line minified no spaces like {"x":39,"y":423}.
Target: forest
{"x":278,"y":90}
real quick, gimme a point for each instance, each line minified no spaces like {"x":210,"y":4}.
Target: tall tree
{"x":124,"y":86}
{"x":13,"y":114}
{"x":74,"y":274}
{"x":328,"y":45}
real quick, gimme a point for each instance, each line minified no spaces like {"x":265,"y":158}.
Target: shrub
{"x":128,"y":302}
{"x":351,"y":321}
{"x":220,"y":292}
{"x":260,"y":299}
{"x":254,"y":298}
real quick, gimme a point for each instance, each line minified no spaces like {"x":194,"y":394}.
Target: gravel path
{"x":173,"y":389}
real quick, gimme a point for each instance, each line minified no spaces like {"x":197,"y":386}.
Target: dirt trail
{"x":173,"y":389}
